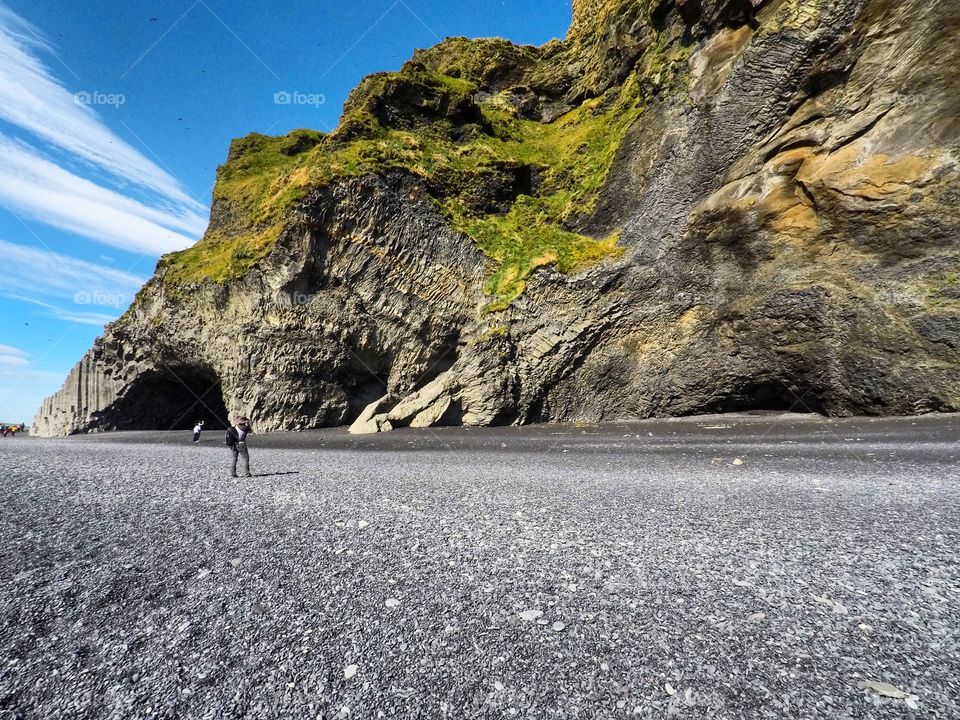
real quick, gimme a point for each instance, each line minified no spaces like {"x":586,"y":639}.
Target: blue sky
{"x":114,"y":115}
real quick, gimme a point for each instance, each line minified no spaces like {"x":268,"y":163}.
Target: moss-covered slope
{"x":509,"y":159}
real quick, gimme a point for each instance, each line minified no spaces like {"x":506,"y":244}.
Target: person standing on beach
{"x":197,"y":429}
{"x":236,"y":440}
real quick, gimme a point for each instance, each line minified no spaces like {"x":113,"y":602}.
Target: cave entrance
{"x":173,"y":399}
{"x":771,"y":396}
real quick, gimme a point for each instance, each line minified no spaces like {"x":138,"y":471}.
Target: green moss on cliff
{"x":220,"y":257}
{"x":525,"y":239}
{"x":435,"y":125}
{"x":484,"y":62}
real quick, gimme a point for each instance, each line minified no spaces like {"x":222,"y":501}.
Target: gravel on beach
{"x":713,"y":568}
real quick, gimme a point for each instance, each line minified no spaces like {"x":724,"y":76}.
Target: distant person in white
{"x":197,"y":429}
{"x":236,"y":440}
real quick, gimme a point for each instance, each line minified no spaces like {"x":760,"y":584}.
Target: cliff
{"x":682,"y":207}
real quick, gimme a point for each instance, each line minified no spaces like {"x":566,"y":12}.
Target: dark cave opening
{"x":769,"y":396}
{"x":173,"y":399}
{"x":362,"y":389}
{"x":363,"y":378}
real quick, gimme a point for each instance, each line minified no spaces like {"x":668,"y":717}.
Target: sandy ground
{"x":728,"y":567}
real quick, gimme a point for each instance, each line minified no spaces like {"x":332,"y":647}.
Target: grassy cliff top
{"x":467,"y":117}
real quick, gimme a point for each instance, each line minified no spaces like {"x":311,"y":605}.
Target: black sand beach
{"x":729,"y":567}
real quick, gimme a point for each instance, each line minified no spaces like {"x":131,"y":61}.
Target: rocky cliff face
{"x":683,"y":207}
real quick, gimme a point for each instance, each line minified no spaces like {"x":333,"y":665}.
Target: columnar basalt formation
{"x":683,"y":207}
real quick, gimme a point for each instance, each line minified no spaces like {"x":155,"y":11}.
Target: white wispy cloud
{"x":97,"y":319}
{"x":22,"y":385}
{"x":32,"y":98}
{"x":12,"y":358}
{"x":133,"y":203}
{"x":40,"y":189}
{"x":65,"y":288}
